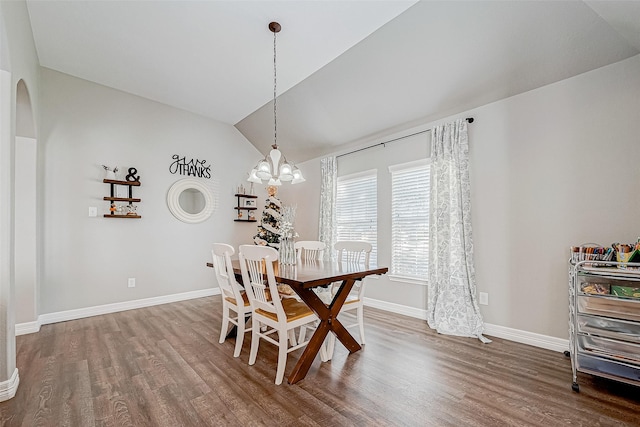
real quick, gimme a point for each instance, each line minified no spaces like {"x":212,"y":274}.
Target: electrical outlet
{"x":93,"y":211}
{"x":484,"y":298}
{"x":132,"y":282}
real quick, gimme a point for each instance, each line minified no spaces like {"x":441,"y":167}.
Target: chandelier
{"x":274,"y":168}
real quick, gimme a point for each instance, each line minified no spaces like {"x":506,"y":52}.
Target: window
{"x":410,"y":220}
{"x":357,"y":209}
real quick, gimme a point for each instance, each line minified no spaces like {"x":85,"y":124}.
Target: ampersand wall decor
{"x":131,"y":177}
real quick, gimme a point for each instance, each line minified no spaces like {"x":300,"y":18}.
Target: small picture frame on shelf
{"x":249,"y":203}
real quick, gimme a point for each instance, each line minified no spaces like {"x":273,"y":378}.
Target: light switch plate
{"x":93,"y":211}
{"x":484,"y":298}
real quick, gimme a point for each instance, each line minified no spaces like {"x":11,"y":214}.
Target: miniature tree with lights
{"x":269,"y":228}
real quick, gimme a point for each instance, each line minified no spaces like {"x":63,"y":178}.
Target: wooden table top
{"x":310,"y":274}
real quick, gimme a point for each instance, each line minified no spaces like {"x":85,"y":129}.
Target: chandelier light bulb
{"x":263,"y":170}
{"x":253,"y":177}
{"x":286,"y":172}
{"x":297,"y":176}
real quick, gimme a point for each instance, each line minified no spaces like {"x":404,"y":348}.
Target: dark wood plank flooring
{"x":163,"y":366}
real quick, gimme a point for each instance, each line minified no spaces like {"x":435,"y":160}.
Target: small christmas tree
{"x":269,"y":228}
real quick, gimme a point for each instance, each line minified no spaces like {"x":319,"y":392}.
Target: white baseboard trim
{"x":524,"y":337}
{"x":63,"y":316}
{"x":27,"y":328}
{"x":8,"y":388}
{"x":418,"y":313}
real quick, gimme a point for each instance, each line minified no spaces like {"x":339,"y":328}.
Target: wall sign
{"x":193,"y":167}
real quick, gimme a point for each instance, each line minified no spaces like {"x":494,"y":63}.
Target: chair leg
{"x":239,"y":337}
{"x":282,"y":356}
{"x":255,"y":341}
{"x":360,"y":314}
{"x":324,"y":354}
{"x":224,"y":328}
{"x":330,"y":344}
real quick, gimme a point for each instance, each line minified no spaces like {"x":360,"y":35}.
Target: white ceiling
{"x":347,"y":70}
{"x":213,"y":58}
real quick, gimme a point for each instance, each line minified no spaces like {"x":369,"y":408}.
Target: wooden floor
{"x":163,"y":366}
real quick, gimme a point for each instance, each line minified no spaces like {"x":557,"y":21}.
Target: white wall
{"x":305,"y":196}
{"x":88,"y":260}
{"x":550,"y":168}
{"x":25,"y":230}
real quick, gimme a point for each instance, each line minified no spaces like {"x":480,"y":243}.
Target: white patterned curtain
{"x":452,"y":307}
{"x":327,"y":225}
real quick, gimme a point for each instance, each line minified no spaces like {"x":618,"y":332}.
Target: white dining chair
{"x":310,"y":250}
{"x":271,"y":315}
{"x":359,"y":253}
{"x":234,"y":297}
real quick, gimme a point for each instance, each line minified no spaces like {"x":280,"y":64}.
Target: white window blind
{"x":410,"y":219}
{"x":357,"y":209}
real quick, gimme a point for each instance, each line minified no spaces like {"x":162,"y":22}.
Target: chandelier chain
{"x":275,"y":117}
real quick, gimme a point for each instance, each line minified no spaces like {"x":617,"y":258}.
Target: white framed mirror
{"x":190,"y":201}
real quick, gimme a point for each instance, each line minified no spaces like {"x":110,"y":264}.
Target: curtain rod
{"x":468,"y":119}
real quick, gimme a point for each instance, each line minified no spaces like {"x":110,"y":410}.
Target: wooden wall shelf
{"x":121,"y":199}
{"x":243,"y":210}
{"x":118,"y":182}
{"x":113,"y":198}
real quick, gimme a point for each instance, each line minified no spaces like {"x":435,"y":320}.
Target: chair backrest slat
{"x":256,"y":264}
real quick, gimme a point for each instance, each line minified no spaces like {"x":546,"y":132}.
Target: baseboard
{"x":418,"y":313}
{"x":27,"y":328}
{"x":8,"y":388}
{"x":524,"y":337}
{"x":63,"y":316}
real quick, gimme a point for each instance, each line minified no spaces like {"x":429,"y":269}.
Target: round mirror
{"x":190,"y":201}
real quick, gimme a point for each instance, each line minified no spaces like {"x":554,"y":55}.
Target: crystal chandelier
{"x":274,"y":168}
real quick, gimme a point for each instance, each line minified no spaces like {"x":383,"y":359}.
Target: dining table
{"x":303,"y":277}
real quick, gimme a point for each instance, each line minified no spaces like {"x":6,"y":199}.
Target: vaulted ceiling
{"x":347,"y":70}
